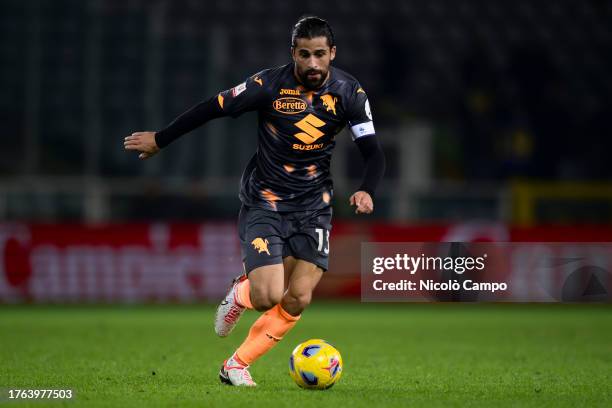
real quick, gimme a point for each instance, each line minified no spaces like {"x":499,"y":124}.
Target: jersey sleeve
{"x":248,"y":96}
{"x":359,"y":115}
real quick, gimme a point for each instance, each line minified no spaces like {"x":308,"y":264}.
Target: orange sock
{"x":243,"y":294}
{"x":268,"y":330}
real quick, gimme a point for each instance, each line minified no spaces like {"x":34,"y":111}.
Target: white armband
{"x":362,"y":129}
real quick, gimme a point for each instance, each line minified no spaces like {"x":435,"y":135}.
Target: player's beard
{"x":313,"y":83}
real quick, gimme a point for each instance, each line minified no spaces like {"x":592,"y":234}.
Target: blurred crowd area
{"x":477,"y":103}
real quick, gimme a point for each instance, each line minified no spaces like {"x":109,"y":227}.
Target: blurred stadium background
{"x":494,"y":116}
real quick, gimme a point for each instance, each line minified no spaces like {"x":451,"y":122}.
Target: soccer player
{"x":286,"y":188}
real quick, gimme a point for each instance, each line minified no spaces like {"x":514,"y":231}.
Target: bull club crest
{"x":329,"y":102}
{"x":261,"y":245}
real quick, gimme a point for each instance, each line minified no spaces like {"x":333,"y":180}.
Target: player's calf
{"x":265,"y":301}
{"x":267,"y":286}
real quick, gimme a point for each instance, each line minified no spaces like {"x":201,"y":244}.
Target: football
{"x":315,"y":364}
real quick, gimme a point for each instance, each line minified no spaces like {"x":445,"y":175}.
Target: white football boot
{"x":234,"y":373}
{"x":229,"y":311}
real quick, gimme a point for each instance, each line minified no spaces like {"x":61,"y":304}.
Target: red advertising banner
{"x":117,"y":263}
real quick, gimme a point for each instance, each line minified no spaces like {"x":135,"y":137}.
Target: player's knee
{"x":303,"y":300}
{"x":297,"y":302}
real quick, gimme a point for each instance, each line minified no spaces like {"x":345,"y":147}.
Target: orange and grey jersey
{"x":291,"y":169}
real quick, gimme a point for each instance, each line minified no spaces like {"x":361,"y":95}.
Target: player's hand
{"x":363,"y":201}
{"x":143,"y":142}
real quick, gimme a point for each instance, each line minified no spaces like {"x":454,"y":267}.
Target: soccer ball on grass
{"x":315,"y":364}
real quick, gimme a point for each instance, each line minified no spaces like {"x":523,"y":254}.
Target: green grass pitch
{"x":409,"y":355}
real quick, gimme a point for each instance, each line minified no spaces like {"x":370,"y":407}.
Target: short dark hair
{"x":311,"y":27}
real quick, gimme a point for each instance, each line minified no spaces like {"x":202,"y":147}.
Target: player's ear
{"x":332,"y":53}
{"x":293,"y":53}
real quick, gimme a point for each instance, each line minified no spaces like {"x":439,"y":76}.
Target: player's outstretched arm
{"x":233,"y":102}
{"x":149,"y":143}
{"x":142,"y":142}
